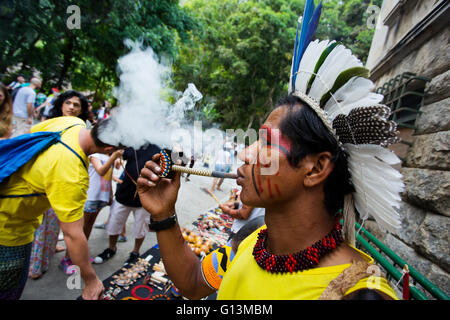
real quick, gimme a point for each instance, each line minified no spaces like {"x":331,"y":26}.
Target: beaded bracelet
{"x":157,"y":296}
{"x":150,"y":291}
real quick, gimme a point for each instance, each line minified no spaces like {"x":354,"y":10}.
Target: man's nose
{"x":250,"y":154}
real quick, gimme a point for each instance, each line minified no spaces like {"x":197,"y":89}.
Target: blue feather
{"x":313,"y":26}
{"x":307,"y":13}
{"x":296,"y":44}
{"x":294,"y":68}
{"x":310,"y":21}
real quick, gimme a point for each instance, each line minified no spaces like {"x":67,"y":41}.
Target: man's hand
{"x":227,"y":207}
{"x":242,"y":214}
{"x":158,"y":195}
{"x":77,"y":246}
{"x":117,"y":154}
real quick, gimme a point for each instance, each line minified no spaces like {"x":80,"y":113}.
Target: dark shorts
{"x":94,"y":206}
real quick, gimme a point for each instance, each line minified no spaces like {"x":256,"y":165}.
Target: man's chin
{"x":248,"y":200}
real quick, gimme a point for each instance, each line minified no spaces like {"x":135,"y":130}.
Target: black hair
{"x":56,"y":111}
{"x":95,"y":132}
{"x":308,"y":135}
{"x":247,"y":229}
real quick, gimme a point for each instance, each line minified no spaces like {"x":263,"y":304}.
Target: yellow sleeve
{"x":375,"y":283}
{"x":215,"y":265}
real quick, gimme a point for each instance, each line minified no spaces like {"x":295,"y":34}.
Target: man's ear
{"x":319,"y":167}
{"x":109,"y":149}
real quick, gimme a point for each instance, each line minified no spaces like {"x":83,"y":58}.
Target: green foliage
{"x":237,"y":52}
{"x":346,"y":22}
{"x":34,"y":36}
{"x":241,"y":58}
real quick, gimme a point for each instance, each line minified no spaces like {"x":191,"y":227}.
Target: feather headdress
{"x":333,"y":82}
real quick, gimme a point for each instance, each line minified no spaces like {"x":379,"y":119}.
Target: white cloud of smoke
{"x":144,"y":115}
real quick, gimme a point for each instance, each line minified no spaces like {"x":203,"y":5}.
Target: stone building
{"x":409,"y":63}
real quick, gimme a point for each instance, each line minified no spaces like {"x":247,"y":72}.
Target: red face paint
{"x":270,"y":188}
{"x":274,"y":139}
{"x":277,"y":190}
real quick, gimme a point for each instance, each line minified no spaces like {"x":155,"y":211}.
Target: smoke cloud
{"x":144,"y":115}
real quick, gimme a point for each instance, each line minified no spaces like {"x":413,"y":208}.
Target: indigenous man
{"x":320,"y":152}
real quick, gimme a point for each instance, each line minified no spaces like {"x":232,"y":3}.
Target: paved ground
{"x":192,"y":202}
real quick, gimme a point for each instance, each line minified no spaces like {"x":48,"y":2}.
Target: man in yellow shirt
{"x":56,"y":178}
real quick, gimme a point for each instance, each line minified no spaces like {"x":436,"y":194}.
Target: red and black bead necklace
{"x":305,"y":259}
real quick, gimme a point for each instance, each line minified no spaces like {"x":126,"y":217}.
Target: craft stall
{"x":147,"y":279}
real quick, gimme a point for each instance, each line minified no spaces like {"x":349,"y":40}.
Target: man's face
{"x":71,"y":107}
{"x":20,"y":79}
{"x":267,"y":176}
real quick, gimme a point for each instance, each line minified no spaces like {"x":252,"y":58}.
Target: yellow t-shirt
{"x":245,"y":280}
{"x":58,"y":173}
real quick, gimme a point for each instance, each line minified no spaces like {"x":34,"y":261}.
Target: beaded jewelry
{"x":305,"y":259}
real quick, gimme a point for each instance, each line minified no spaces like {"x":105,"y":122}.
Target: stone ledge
{"x":427,"y":189}
{"x":432,"y":240}
{"x":435,"y":117}
{"x":430,"y":151}
{"x":432,"y":272}
{"x":439,"y":87}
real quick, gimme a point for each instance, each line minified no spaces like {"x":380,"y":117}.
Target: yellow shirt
{"x":245,"y":280}
{"x":58,"y":173}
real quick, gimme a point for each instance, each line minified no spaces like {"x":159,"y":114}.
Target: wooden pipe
{"x":169,"y":169}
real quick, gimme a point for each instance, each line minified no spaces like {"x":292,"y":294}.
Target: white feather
{"x":290,"y":79}
{"x":339,"y":60}
{"x":308,"y":63}
{"x":378,"y":185}
{"x":356,"y":91}
{"x":370,"y":99}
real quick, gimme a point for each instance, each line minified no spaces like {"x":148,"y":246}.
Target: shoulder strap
{"x":346,"y":280}
{"x":64,"y":130}
{"x":74,"y":152}
{"x":23,"y":195}
{"x":64,"y":144}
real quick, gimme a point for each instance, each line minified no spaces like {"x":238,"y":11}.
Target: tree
{"x":241,"y":60}
{"x":34,"y":36}
{"x":232,"y":60}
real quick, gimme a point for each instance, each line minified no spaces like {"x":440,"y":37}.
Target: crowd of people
{"x":22,"y":113}
{"x":31,"y":232}
{"x":23,"y":103}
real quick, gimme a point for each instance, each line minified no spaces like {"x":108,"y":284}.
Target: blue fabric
{"x":16,"y":152}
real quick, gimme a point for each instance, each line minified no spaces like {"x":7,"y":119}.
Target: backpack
{"x":16,"y":152}
{"x":14,"y":93}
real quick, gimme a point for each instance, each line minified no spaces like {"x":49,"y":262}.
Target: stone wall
{"x":424,"y":241}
